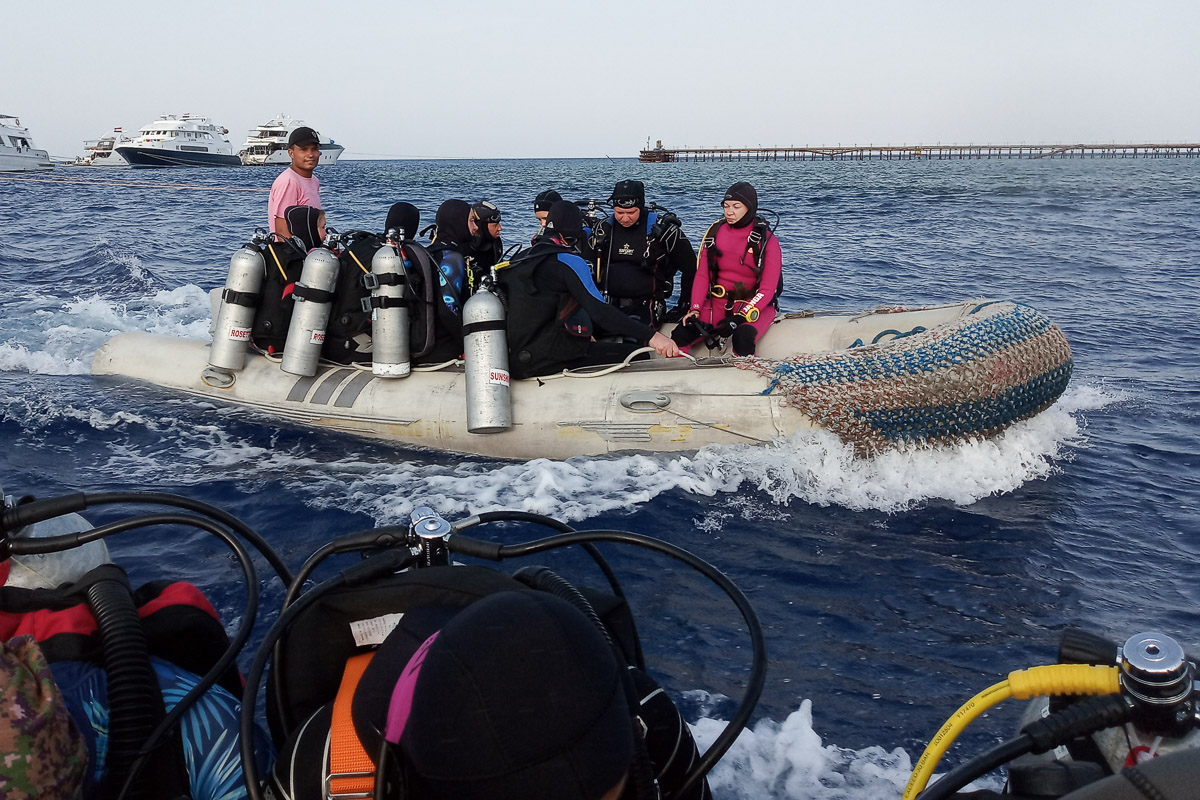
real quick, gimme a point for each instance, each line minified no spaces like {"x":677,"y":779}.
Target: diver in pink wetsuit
{"x":738,"y":277}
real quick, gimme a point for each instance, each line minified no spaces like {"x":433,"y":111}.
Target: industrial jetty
{"x":916,"y":152}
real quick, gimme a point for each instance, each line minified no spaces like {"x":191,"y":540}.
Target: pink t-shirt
{"x":292,"y":189}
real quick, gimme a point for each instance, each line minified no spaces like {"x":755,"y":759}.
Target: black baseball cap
{"x":516,"y":697}
{"x":303,"y":135}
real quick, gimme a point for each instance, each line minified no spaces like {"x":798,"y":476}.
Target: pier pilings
{"x":920,"y":152}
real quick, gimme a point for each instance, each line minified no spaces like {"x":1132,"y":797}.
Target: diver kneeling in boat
{"x":517,"y":696}
{"x":552,"y":304}
{"x":738,"y":277}
{"x":638,"y":254}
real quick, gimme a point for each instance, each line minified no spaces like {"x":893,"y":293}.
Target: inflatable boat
{"x":883,"y":378}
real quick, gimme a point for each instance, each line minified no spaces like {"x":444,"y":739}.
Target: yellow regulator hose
{"x":1054,"y":679}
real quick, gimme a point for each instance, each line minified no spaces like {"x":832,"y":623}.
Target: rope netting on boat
{"x":971,"y":377}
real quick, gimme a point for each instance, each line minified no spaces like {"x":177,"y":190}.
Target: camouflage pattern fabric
{"x":42,"y":754}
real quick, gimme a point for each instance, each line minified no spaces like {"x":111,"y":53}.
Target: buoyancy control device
{"x":756,"y":248}
{"x":284,"y":263}
{"x":485,"y":345}
{"x":314,"y":296}
{"x":405,"y":574}
{"x":348,"y":335}
{"x":387,"y":282}
{"x":239,"y":302}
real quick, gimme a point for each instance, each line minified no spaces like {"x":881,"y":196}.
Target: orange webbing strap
{"x":351,"y":770}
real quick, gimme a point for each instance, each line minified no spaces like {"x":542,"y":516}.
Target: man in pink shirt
{"x":296,"y":185}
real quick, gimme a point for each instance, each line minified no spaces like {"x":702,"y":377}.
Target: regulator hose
{"x":1053,"y":679}
{"x":1082,"y":719}
{"x":134,"y":701}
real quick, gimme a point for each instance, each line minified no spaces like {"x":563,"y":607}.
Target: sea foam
{"x":788,"y":760}
{"x":761,"y":481}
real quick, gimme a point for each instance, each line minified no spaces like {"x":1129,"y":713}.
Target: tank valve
{"x":431,"y":532}
{"x":1156,"y":674}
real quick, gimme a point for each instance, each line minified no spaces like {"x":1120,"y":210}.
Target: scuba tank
{"x":239,"y":300}
{"x":389,"y":311}
{"x":314,"y":295}
{"x":50,"y":570}
{"x":485,"y":345}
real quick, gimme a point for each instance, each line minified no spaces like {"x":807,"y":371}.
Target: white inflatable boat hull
{"x":655,"y":405}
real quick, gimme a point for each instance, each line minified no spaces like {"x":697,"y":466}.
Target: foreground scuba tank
{"x":53,"y":569}
{"x":389,"y":313}
{"x":489,"y":405}
{"x":239,"y":300}
{"x":314,"y":295}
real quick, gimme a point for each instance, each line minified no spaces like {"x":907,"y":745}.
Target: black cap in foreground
{"x":546,"y":199}
{"x":565,"y":220}
{"x":517,"y":697}
{"x":303,"y":135}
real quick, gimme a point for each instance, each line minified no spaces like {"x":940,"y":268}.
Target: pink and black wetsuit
{"x":735,"y":272}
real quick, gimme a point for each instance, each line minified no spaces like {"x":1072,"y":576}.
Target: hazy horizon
{"x":532,"y":79}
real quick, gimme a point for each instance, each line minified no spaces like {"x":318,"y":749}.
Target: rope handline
{"x":133,"y":184}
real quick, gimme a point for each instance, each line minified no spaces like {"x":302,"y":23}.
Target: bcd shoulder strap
{"x":760,"y":234}
{"x":351,"y":769}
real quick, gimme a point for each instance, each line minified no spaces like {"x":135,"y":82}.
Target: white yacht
{"x":267,"y":144}
{"x":17,"y":150}
{"x":102,"y":152}
{"x":179,"y":141}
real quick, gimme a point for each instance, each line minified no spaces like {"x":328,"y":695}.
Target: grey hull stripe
{"x":300,"y":389}
{"x":353,"y":389}
{"x":329,"y":386}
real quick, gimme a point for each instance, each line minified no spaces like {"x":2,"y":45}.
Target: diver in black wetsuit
{"x":638,"y":253}
{"x":553,"y":303}
{"x":483,"y":223}
{"x":450,"y":249}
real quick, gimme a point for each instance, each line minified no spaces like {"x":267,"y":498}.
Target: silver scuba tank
{"x":389,"y":312}
{"x":485,"y":345}
{"x":239,"y":300}
{"x":50,"y":570}
{"x":314,"y":296}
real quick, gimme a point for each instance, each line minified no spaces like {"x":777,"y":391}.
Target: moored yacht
{"x":267,"y":144}
{"x":102,"y":152}
{"x":17,"y":150}
{"x":180,"y":141}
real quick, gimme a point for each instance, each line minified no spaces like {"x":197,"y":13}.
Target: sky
{"x":526,"y":78}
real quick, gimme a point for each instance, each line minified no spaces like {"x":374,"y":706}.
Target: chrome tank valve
{"x":1156,"y":674}
{"x":430,"y":533}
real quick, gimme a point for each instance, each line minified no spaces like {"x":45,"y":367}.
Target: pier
{"x":918,"y":152}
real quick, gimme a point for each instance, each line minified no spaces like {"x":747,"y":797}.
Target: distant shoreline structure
{"x":916,"y":152}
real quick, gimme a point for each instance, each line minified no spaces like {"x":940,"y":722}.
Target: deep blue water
{"x":891,"y":590}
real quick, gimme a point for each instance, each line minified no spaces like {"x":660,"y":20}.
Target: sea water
{"x":890,"y":589}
